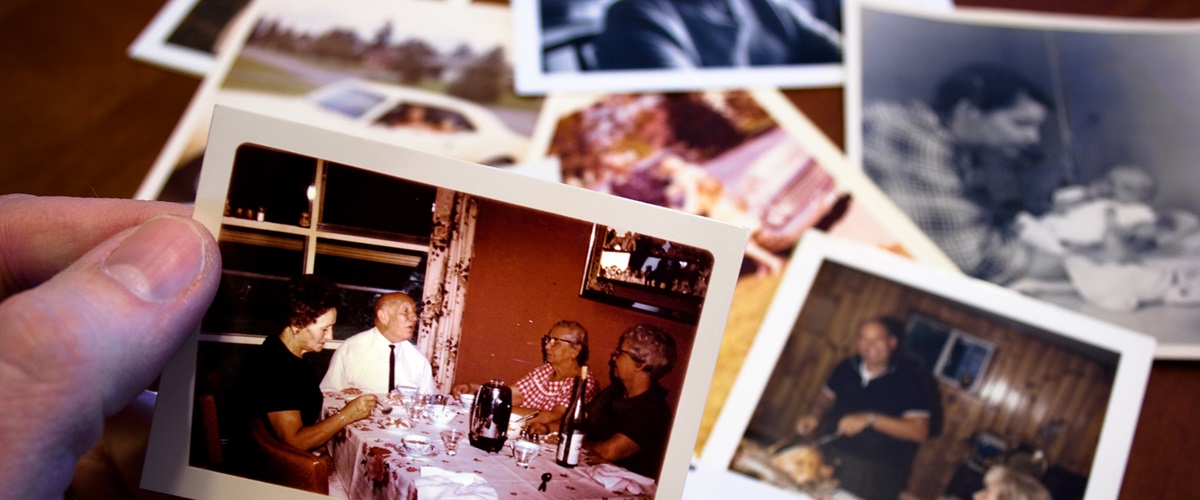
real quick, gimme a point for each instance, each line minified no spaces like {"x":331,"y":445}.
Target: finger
{"x":43,"y":235}
{"x":80,"y":345}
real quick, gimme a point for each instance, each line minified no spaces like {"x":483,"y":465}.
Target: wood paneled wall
{"x":1031,"y":383}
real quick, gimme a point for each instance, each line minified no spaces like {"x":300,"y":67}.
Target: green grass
{"x":250,"y":74}
{"x":247,"y":74}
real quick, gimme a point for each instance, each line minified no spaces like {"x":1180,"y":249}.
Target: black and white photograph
{"x":655,"y":45}
{"x":473,"y":275}
{"x":878,"y":378}
{"x":186,"y":34}
{"x":435,"y":76}
{"x":1051,"y":155}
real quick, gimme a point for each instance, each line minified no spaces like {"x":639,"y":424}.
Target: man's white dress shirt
{"x":362,"y":362}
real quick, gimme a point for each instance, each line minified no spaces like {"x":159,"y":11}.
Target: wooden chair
{"x":214,"y":446}
{"x":288,"y":466}
{"x":208,"y":444}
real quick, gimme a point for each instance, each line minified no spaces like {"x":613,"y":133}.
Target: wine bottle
{"x":570,"y":429}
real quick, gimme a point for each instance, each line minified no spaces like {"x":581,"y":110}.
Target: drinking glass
{"x":450,"y":438}
{"x":437,"y":401}
{"x":524,"y":451}
{"x":420,"y":402}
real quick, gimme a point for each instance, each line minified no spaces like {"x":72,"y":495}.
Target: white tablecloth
{"x":369,"y":460}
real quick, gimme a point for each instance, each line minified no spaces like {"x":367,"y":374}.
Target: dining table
{"x":371,"y":462}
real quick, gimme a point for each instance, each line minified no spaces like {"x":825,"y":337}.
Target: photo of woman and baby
{"x":1047,"y":173}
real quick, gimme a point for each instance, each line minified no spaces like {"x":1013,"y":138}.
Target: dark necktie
{"x":391,"y":368}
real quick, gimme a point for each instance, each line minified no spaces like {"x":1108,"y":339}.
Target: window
{"x":421,"y":116}
{"x":956,"y":357}
{"x":351,"y":102}
{"x":311,"y":216}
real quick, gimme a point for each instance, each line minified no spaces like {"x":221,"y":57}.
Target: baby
{"x":1104,"y":230}
{"x":1084,"y":216}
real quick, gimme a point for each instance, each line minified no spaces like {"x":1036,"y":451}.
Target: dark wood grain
{"x":82,"y":119}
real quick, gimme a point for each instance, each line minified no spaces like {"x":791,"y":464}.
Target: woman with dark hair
{"x":287,"y":394}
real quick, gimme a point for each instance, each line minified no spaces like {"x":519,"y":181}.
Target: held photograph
{"x":875,"y":377}
{"x":392,"y":323}
{"x":1048,"y":154}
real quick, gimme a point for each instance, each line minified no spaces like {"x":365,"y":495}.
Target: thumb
{"x":79,"y":346}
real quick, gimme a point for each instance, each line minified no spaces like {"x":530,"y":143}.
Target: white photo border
{"x":531,"y":79}
{"x":167,"y":468}
{"x":152,"y":46}
{"x":1135,"y":351}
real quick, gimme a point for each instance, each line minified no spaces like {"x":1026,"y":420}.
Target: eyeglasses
{"x":618,"y":352}
{"x":549,"y":341}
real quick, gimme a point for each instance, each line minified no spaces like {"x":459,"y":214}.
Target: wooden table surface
{"x":82,"y":119}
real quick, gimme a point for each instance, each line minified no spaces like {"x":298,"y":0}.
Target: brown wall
{"x":525,"y":276}
{"x":1029,"y":383}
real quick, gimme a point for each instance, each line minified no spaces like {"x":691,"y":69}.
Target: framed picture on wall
{"x":956,"y":357}
{"x":645,"y":273}
{"x":480,"y":242}
{"x":865,"y":383}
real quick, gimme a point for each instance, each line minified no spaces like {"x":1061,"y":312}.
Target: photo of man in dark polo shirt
{"x":881,"y":408}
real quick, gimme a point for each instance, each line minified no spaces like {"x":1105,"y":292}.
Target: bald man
{"x":364,"y":361}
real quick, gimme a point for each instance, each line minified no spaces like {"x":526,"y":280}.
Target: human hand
{"x":806,"y":424}
{"x":1115,"y":245}
{"x":359,"y":408}
{"x":538,"y":428}
{"x":853,"y":424}
{"x":97,"y":296}
{"x":461,"y":389}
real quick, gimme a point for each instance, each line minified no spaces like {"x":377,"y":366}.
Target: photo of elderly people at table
{"x":887,"y":392}
{"x":1043,"y":173}
{"x":400,"y":375}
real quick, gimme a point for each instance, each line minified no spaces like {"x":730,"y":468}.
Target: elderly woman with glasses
{"x":547,"y":389}
{"x":629,"y":421}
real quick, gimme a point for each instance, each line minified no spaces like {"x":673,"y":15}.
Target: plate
{"x":407,"y":453}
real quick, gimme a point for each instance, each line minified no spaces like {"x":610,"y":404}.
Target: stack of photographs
{"x":1032,"y":248}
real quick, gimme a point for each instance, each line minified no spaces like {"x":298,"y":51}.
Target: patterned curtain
{"x":450,"y":251}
